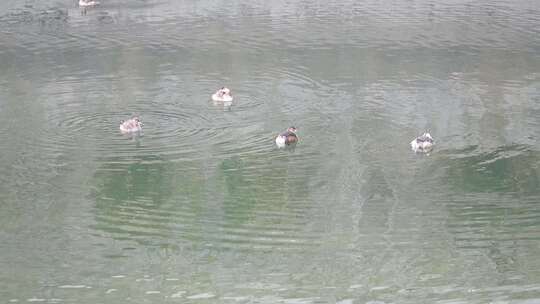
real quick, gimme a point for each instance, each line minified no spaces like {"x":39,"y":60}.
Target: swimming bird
{"x":423,"y":143}
{"x":86,"y":3}
{"x":132,"y":125}
{"x":287,"y":138}
{"x":222,"y":95}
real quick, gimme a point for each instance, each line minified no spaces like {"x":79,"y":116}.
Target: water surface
{"x":202,"y":208}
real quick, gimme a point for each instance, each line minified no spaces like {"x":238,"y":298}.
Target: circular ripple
{"x":167,"y":130}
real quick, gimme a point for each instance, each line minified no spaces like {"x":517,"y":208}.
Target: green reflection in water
{"x":506,"y":169}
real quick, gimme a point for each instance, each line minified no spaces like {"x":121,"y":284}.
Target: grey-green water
{"x":204,"y":209}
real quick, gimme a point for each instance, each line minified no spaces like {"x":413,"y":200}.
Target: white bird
{"x":222,"y":95}
{"x":86,"y":3}
{"x":287,"y":138}
{"x":132,"y":125}
{"x":423,"y":143}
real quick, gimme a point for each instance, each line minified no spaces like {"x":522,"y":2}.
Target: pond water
{"x":203,"y":208}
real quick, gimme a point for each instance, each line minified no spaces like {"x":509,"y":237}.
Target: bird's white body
{"x":86,"y":3}
{"x":132,"y":125}
{"x":222,"y":95}
{"x":280,"y":141}
{"x":423,"y":143}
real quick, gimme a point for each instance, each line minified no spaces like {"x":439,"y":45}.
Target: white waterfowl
{"x":132,"y":125}
{"x":287,"y":138}
{"x":222,"y":95}
{"x":87,"y":3}
{"x":423,"y":143}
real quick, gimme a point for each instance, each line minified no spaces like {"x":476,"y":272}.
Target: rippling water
{"x":202,"y":208}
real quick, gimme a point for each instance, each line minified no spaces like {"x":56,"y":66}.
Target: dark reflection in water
{"x":232,"y":206}
{"x":239,"y":199}
{"x":130,"y":196}
{"x":204,"y":208}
